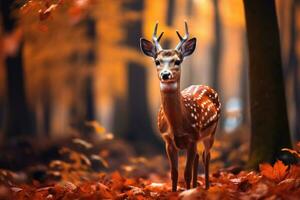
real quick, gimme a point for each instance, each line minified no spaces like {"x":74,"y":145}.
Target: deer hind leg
{"x":195,"y":170}
{"x":191,"y":153}
{"x":208,"y":143}
{"x":173,"y":161}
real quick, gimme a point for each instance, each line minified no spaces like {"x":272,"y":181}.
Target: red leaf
{"x":276,"y":173}
{"x":117,"y":181}
{"x":294,"y":172}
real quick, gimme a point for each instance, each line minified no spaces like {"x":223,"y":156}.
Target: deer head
{"x":168,"y":61}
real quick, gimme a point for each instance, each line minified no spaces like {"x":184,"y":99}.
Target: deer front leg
{"x":195,"y":170}
{"x":173,"y":160}
{"x":206,"y":158}
{"x":191,"y":153}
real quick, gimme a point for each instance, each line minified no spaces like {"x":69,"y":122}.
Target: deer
{"x":185,"y":117}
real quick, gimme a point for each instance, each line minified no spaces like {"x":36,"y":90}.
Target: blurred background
{"x":74,"y":67}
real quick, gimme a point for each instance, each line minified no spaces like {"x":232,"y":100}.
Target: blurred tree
{"x":140,"y":130}
{"x":18,"y":117}
{"x":46,"y":109}
{"x":294,"y":68}
{"x":189,"y":8}
{"x":217,"y":46}
{"x":57,"y":63}
{"x":216,"y":51}
{"x":170,"y":12}
{"x":245,"y":84}
{"x":269,"y":123}
{"x":91,"y":60}
{"x":167,"y":42}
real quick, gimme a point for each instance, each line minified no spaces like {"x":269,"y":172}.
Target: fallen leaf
{"x":117,"y":181}
{"x":98,"y":128}
{"x":83,"y":143}
{"x":294,"y":172}
{"x":294,"y":152}
{"x":100,"y":159}
{"x":157,"y":187}
{"x":276,"y":173}
{"x":16,"y":189}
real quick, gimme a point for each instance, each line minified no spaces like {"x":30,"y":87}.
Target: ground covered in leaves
{"x":272,"y":182}
{"x":85,"y":171}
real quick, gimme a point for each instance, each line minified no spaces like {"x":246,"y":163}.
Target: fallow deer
{"x":187,"y":117}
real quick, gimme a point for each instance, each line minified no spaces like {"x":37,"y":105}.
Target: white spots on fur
{"x":202,"y":104}
{"x":195,"y":89}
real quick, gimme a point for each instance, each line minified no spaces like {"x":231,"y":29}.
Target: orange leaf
{"x":294,"y":172}
{"x":276,"y":173}
{"x":117,"y":181}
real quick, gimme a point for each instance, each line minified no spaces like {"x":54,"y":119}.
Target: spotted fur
{"x":203,"y":105}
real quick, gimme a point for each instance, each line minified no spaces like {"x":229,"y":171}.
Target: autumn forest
{"x":149,"y":99}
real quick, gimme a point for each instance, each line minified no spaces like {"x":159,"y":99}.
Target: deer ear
{"x":147,"y":47}
{"x":188,"y":47}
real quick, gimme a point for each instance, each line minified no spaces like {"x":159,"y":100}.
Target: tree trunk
{"x":91,"y":59}
{"x":245,"y":84}
{"x":189,"y":8}
{"x":216,"y":53}
{"x":293,"y":66}
{"x":269,"y":123}
{"x":170,"y":12}
{"x":217,"y":46}
{"x":140,"y":131}
{"x":19,"y":121}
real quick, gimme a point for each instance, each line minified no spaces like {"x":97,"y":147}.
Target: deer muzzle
{"x":166,"y":75}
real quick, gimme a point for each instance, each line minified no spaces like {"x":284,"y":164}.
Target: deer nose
{"x":165,"y":75}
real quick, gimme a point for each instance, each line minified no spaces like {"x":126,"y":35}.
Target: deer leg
{"x":206,"y":160}
{"x":195,"y":170}
{"x":173,"y":160}
{"x":206,"y":156}
{"x":191,"y":153}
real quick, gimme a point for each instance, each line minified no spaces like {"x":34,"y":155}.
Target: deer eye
{"x":157,"y":62}
{"x":177,"y":62}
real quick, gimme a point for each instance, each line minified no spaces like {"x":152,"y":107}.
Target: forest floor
{"x":277,"y":182}
{"x":108,"y":170}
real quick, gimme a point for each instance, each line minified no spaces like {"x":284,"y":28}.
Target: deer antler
{"x":156,"y":39}
{"x":182,"y":39}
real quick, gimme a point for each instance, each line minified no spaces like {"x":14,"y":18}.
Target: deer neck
{"x":172,"y":105}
